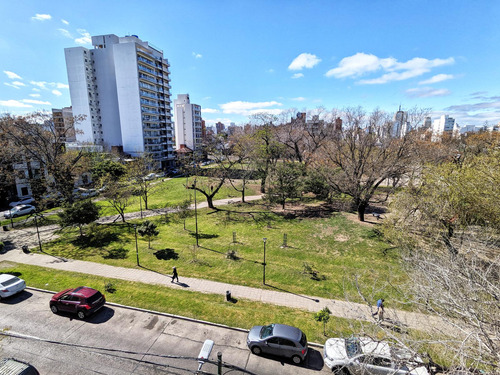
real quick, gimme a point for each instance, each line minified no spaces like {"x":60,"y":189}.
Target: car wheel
{"x":256,"y":350}
{"x":80,"y":314}
{"x":54,"y":309}
{"x":296,"y":359}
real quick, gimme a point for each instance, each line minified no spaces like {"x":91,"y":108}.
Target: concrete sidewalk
{"x":267,"y":295}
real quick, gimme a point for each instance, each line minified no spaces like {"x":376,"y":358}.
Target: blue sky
{"x":239,"y":57}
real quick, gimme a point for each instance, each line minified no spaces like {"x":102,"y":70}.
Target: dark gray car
{"x":278,"y":339}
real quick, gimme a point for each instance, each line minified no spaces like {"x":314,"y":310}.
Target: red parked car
{"x":82,"y":301}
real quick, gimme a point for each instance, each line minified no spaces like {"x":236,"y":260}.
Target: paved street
{"x":137,"y":338}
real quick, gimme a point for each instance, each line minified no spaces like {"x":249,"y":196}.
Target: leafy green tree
{"x":149,"y":230}
{"x":285,"y":182}
{"x":136,"y":173}
{"x":104,"y":167}
{"x":79,"y":214}
{"x":323,"y":316}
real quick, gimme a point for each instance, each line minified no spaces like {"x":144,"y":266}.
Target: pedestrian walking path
{"x":267,"y":294}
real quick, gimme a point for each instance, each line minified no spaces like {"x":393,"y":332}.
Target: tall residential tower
{"x":188,"y":123}
{"x":122,"y":88}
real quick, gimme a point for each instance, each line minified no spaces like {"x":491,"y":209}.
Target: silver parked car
{"x":278,"y":339}
{"x":364,"y":356}
{"x":21,"y":210}
{"x":10,"y":285}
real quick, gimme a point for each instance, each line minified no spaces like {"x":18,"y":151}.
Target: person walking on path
{"x":380,"y":309}
{"x":175,"y":275}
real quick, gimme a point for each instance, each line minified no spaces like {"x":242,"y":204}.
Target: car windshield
{"x":10,"y":281}
{"x":266,"y":331}
{"x":352,"y":347}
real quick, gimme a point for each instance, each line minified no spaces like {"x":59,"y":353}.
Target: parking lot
{"x":124,"y":341}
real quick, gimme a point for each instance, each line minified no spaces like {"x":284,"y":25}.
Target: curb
{"x":188,"y":319}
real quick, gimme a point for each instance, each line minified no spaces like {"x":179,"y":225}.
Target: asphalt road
{"x":140,"y":342}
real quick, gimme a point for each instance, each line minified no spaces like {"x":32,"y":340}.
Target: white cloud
{"x":426,"y":92}
{"x":270,"y":70}
{"x":41,"y":17}
{"x":85,"y":39}
{"x":437,"y":78}
{"x":14,"y":103}
{"x":31,"y":101}
{"x":35,"y":95}
{"x":18,"y":83}
{"x":304,"y":60}
{"x":35,"y":89}
{"x":197,"y":55}
{"x":11,"y":75}
{"x":249,"y":108}
{"x":40,"y":84}
{"x":297,"y":75}
{"x":56,"y":92}
{"x":47,"y":85}
{"x":65,"y":33}
{"x":10,"y":85}
{"x":299,"y":99}
{"x":209,"y":110}
{"x":64,"y":21}
{"x":361,"y":64}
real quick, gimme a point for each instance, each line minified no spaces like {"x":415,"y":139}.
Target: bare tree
{"x":34,"y":137}
{"x":137,"y":171}
{"x":362,"y":156}
{"x":117,"y":195}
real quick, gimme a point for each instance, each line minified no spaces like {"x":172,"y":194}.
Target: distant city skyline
{"x":239,"y":58}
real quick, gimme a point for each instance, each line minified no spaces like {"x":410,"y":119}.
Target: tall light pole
{"x":136,"y":247}
{"x":38,"y":234}
{"x":264,"y":263}
{"x":195,"y":212}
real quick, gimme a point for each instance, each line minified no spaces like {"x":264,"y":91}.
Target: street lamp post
{"x":38,"y":234}
{"x":195,"y":212}
{"x":264,"y":263}
{"x":136,"y":247}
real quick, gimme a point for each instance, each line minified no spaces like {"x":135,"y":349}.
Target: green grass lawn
{"x":172,"y":192}
{"x":208,"y":307}
{"x":338,"y":250}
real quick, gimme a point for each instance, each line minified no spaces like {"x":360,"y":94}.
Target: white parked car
{"x":21,"y":210}
{"x":10,"y":285}
{"x":362,"y":355}
{"x":149,"y":177}
{"x":27,"y":200}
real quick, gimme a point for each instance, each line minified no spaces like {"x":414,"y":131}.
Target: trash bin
{"x":5,"y":228}
{"x":228,"y":295}
{"x":25,"y":249}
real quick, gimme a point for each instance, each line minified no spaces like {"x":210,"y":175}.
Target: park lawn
{"x":170,"y":192}
{"x":324,"y":256}
{"x":209,"y":307}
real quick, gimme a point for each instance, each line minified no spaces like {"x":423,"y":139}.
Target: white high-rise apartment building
{"x":122,"y":88}
{"x":445,"y":124}
{"x":400,"y":124}
{"x":188,"y":129}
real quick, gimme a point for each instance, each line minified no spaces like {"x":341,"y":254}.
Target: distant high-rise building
{"x":445,"y":124}
{"x":122,"y":88}
{"x":64,"y":124}
{"x":188,"y":123}
{"x":427,"y":123}
{"x":400,"y":124}
{"x":219,"y":126}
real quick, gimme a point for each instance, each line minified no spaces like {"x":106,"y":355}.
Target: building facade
{"x":122,"y":89}
{"x":188,"y":124}
{"x":64,"y":124}
{"x":444,"y":125}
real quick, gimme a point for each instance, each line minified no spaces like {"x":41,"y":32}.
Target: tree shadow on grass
{"x":166,"y":254}
{"x":101,"y":240}
{"x":204,"y":236}
{"x":116,"y":254}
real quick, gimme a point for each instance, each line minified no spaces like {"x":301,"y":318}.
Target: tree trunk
{"x":243,"y":194}
{"x":263,"y":185}
{"x":361,"y":211}
{"x":145,"y":201}
{"x":210,"y":202}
